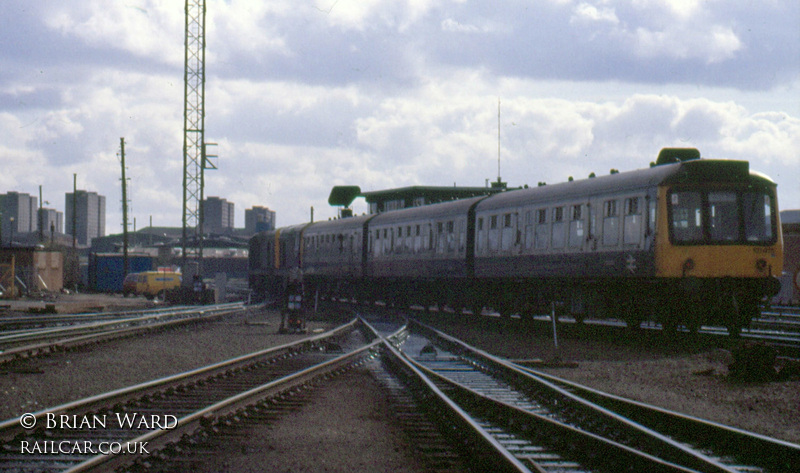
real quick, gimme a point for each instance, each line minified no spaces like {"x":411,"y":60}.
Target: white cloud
{"x":365,"y":14}
{"x":712,"y":45}
{"x":382,"y":94}
{"x":679,"y":9}
{"x":142,"y":28}
{"x":591,"y":13}
{"x":454,"y":26}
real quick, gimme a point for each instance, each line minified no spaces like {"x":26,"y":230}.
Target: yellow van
{"x":150,"y":284}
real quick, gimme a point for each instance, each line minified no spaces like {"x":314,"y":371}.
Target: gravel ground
{"x":352,"y":431}
{"x":692,"y":381}
{"x":37,"y":383}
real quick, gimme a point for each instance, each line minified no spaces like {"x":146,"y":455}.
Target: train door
{"x":633,"y":224}
{"x":507,"y":240}
{"x":480,"y":236}
{"x":611,"y":225}
{"x":529,"y":231}
{"x":577,"y":226}
{"x":592,"y":208}
{"x":650,"y":222}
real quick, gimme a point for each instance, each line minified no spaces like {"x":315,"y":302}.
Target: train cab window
{"x":576,"y":227}
{"x":758,"y":217}
{"x":610,"y":223}
{"x":687,"y":216}
{"x":723,"y":216}
{"x":558,"y":236}
{"x":632,"y":225}
{"x":542,"y":232}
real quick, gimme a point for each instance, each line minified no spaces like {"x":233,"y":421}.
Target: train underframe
{"x":672,"y":302}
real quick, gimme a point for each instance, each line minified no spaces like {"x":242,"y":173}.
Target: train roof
{"x":432,"y":211}
{"x":338,"y":224}
{"x":694,"y":171}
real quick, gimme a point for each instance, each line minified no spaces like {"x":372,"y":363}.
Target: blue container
{"x":106,"y":270}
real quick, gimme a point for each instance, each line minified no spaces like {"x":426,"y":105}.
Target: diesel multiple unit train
{"x":685,"y":242}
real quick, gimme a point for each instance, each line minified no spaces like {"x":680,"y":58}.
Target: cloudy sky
{"x":304,"y":95}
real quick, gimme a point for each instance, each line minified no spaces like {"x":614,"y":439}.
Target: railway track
{"x":463,"y":408}
{"x":62,"y":332}
{"x":550,"y":428}
{"x":131,"y":426}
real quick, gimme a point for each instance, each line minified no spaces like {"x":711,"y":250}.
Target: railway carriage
{"x":333,"y":251}
{"x":275,"y":256}
{"x":687,"y":241}
{"x":581,"y":243}
{"x":422,"y":254}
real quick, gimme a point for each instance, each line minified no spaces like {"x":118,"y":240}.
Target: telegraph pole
{"x":40,"y":217}
{"x":125,"y":264}
{"x":74,"y":210}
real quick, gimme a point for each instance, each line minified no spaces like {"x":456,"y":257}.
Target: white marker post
{"x":553,"y":316}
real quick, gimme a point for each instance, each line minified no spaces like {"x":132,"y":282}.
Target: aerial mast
{"x":498,"y":141}
{"x":193,"y":127}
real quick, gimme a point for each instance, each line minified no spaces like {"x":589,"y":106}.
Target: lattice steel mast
{"x":194,"y":126}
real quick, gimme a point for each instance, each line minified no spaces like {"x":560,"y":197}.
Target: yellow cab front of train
{"x":718,"y":240}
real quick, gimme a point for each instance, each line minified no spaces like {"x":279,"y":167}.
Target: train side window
{"x":632,"y":231}
{"x":576,"y":227}
{"x":559,"y":227}
{"x":542,"y":232}
{"x":610,"y":223}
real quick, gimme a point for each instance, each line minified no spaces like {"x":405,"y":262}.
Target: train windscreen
{"x":726,"y":216}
